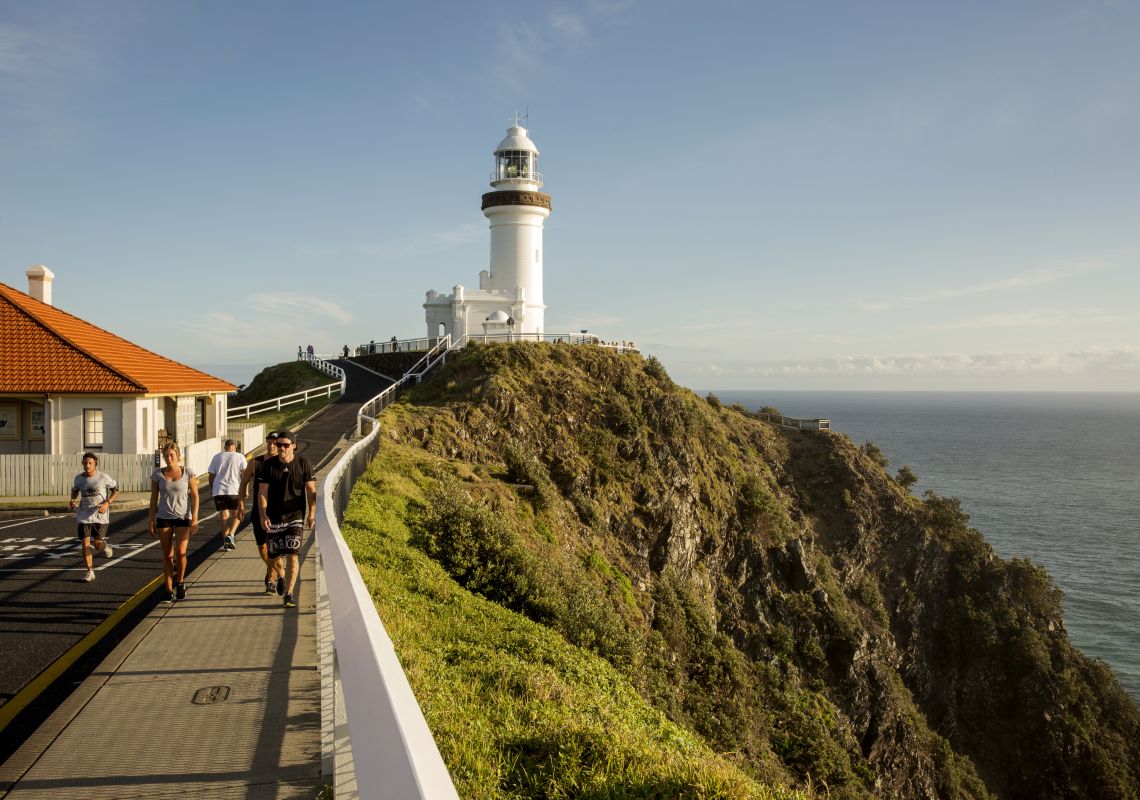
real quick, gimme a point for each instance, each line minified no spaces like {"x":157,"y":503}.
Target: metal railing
{"x":549,"y":338}
{"x":393,"y":752}
{"x":319,"y":363}
{"x":418,"y":345}
{"x":370,"y":410}
{"x":278,"y":403}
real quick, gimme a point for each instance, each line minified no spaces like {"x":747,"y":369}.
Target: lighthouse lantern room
{"x":516,"y":211}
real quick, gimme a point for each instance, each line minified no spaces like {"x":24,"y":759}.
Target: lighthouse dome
{"x":516,"y":140}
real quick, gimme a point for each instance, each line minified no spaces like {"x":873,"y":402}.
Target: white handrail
{"x":370,"y":410}
{"x":394,"y":753}
{"x":277,"y":403}
{"x":324,"y":366}
{"x":550,"y":338}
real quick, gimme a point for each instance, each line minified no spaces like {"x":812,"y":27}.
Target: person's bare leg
{"x":182,"y":538}
{"x":167,"y":536}
{"x":291,"y":569}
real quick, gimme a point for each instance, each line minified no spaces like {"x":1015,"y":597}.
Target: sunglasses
{"x":284,"y":444}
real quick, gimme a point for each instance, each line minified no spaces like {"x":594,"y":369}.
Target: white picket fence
{"x":36,"y":475}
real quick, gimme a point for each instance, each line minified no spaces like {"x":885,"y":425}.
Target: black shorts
{"x":259,"y":534}
{"x":163,"y":522}
{"x":90,"y":530}
{"x":226,"y":502}
{"x":285,"y":537}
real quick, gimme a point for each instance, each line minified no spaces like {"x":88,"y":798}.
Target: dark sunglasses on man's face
{"x":284,"y":444}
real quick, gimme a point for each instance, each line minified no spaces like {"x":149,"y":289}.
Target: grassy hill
{"x":601,"y":585}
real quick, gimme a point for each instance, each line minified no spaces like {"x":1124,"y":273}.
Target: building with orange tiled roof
{"x":67,"y":386}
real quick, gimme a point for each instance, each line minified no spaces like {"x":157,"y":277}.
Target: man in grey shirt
{"x":91,"y":494}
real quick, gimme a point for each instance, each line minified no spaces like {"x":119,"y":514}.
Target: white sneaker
{"x":108,"y":551}
{"x":90,"y":576}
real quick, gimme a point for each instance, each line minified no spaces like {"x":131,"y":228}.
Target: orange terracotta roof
{"x":46,"y":350}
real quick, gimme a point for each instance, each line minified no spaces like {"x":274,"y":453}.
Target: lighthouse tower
{"x":509,"y":299}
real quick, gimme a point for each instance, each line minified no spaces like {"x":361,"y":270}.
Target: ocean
{"x":1052,"y":477}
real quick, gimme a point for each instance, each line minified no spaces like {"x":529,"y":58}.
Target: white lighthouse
{"x":509,"y":298}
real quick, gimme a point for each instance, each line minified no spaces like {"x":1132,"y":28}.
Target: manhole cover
{"x":211,"y":694}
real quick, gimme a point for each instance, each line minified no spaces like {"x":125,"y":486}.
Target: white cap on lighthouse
{"x":516,"y":161}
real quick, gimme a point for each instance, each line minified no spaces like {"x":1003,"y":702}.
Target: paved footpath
{"x":217,"y":695}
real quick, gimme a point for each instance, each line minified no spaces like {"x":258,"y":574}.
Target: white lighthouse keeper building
{"x":509,"y":297}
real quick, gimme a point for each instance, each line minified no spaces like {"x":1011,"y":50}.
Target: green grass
{"x":279,"y":380}
{"x":516,"y":710}
{"x":289,"y":418}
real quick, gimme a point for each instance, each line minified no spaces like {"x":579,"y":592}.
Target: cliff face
{"x":775,"y":592}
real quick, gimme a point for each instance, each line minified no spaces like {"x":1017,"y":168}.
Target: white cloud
{"x":1017,"y":319}
{"x":412,"y":244}
{"x":568,"y":24}
{"x":17,"y":52}
{"x":1121,"y":359}
{"x":299,"y":306}
{"x":1021,"y":280}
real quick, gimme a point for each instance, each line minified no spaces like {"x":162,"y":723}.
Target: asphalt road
{"x":46,"y":607}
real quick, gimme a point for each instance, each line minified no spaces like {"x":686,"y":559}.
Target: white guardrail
{"x":394,"y":755}
{"x":278,"y":403}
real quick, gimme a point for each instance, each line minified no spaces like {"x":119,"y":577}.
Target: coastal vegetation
{"x":602,"y":585}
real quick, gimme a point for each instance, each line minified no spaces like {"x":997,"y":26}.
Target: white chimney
{"x":39,"y":283}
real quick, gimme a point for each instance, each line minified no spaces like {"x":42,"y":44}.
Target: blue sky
{"x":762,"y":194}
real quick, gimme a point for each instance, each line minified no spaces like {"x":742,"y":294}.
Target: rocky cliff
{"x":775,"y":592}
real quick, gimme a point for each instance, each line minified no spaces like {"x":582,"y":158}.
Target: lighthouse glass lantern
{"x":516,"y":165}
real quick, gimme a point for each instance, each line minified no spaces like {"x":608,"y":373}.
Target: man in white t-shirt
{"x":91,"y":494}
{"x":225,"y":470}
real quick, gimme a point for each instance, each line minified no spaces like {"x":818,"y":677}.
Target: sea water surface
{"x":1053,"y":477}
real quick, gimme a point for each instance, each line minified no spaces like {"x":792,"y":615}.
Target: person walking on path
{"x":252,"y":477}
{"x":173,"y":517}
{"x":92,"y":492}
{"x":226,"y":470}
{"x":287,"y":481}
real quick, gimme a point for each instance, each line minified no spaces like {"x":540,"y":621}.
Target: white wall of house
{"x":70,"y":408}
{"x":141,"y":421}
{"x":185,"y":420}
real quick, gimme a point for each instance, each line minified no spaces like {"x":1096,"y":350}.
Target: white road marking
{"x":31,"y":542}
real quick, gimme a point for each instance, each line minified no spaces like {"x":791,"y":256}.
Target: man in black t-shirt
{"x":287,"y":482}
{"x":252,"y":476}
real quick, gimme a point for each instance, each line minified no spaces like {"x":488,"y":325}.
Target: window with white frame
{"x":92,"y":428}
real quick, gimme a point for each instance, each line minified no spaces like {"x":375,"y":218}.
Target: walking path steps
{"x":214,"y":696}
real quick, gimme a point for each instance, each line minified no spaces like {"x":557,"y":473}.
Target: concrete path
{"x":217,"y":695}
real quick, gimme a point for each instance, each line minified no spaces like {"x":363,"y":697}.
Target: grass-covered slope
{"x":537,"y":510}
{"x":279,"y":380}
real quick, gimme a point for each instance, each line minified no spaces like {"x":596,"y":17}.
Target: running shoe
{"x":180,"y":591}
{"x":270,"y":588}
{"x":108,"y":551}
{"x":289,"y":602}
{"x":230,"y":545}
{"x":90,"y":576}
{"x":280,"y":587}
{"x":168,"y":595}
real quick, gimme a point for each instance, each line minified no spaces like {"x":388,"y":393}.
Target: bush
{"x":906,"y":477}
{"x":481,"y":551}
{"x":872,"y":451}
